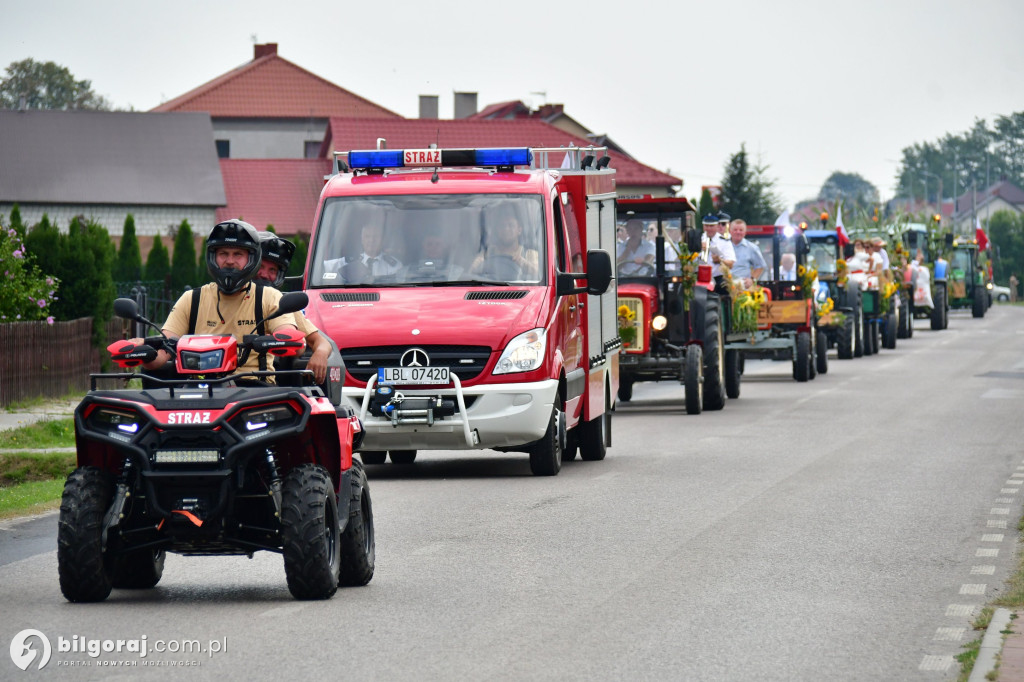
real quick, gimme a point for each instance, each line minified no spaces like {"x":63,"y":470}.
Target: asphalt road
{"x":844,"y":529}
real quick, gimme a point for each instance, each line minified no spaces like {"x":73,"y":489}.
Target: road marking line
{"x":1009,"y":491}
{"x":1004,"y":500}
{"x":987,"y":552}
{"x":992,"y":537}
{"x":973,"y":588}
{"x":983,"y":570}
{"x":1000,"y":511}
{"x":961,"y":610}
{"x":992,"y":523}
{"x":936,"y":663}
{"x":949,"y":634}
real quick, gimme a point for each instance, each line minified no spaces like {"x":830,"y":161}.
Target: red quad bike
{"x":212,"y":463}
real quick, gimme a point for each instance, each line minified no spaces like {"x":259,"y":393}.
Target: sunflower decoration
{"x":807,"y":278}
{"x":745,"y":307}
{"x":842,"y":272}
{"x":688,"y":271}
{"x":627,"y":330}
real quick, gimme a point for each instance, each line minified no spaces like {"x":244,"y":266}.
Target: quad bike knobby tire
{"x":83,"y":567}
{"x":310,"y":532}
{"x":138,"y":570}
{"x":358,"y":544}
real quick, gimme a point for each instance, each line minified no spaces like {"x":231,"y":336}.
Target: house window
{"x":312,"y":149}
{"x":223,"y":149}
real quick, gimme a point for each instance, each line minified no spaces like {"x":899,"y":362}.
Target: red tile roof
{"x":270,"y":86}
{"x":279,"y":192}
{"x":344,"y":134}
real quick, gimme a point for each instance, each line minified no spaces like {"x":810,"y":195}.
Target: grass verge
{"x":49,"y":433}
{"x":30,"y":498}
{"x":1012,"y":599}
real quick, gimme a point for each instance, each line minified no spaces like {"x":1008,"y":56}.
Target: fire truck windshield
{"x":417,"y":239}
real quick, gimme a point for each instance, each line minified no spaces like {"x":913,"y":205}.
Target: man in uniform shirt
{"x":720,"y":251}
{"x":227,"y":305}
{"x":750,"y":263}
{"x":369,"y":264}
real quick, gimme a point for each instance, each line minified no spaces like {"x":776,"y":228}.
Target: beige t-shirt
{"x":236,"y":316}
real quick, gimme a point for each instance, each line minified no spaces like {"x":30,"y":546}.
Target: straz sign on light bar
{"x":422,"y":157}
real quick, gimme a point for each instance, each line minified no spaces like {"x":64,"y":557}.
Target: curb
{"x":991,"y":646}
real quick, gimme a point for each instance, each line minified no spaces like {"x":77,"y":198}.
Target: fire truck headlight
{"x":523,"y":353}
{"x":659,"y":322}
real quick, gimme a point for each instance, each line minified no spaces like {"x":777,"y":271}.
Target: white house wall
{"x":149,"y":220}
{"x":269,"y":139}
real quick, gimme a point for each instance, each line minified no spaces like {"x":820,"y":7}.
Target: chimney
{"x":267,"y":49}
{"x":428,"y":106}
{"x":465,"y":104}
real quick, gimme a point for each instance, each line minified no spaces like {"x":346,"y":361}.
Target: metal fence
{"x":39,"y":360}
{"x":154,"y":299}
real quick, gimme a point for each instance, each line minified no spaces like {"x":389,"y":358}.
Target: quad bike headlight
{"x":523,"y":353}
{"x":262,"y":420}
{"x":119,"y":424}
{"x":659,"y":322}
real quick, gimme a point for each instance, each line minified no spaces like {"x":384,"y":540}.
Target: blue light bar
{"x":418,"y":158}
{"x":503,"y":157}
{"x":375,"y":158}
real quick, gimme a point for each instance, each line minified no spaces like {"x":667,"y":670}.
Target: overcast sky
{"x":809,"y":87}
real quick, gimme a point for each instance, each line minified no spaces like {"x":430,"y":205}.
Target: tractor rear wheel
{"x":733,"y":373}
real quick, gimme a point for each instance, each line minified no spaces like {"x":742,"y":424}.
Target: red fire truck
{"x":470,"y":292}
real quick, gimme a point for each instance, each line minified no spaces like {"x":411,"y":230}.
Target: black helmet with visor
{"x":233,"y":234}
{"x":278,"y":251}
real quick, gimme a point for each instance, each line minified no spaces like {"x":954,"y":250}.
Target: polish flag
{"x":980,"y":235}
{"x":844,"y":238}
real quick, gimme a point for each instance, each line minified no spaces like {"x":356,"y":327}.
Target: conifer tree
{"x":183,"y":271}
{"x":158,"y":263}
{"x":129,"y":259}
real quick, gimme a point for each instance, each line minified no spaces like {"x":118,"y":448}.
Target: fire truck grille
{"x":466,"y":362}
{"x":634,"y":342}
{"x":358,"y":296}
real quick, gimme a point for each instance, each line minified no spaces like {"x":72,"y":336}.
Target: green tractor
{"x":968,"y":280}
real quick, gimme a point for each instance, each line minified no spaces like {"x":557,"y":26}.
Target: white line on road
{"x":961,"y":610}
{"x":973,"y":588}
{"x":992,"y":523}
{"x":992,"y":537}
{"x":983,"y":570}
{"x":986,"y":552}
{"x":949,"y":634}
{"x":936,"y":663}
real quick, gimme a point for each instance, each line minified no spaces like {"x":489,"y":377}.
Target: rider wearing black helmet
{"x":277,"y":255}
{"x":228,"y":304}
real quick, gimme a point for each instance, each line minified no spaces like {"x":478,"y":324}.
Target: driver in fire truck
{"x":227,"y":305}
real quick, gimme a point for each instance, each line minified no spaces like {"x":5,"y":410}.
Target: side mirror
{"x":290,"y":303}
{"x":126,"y":308}
{"x":599,"y":271}
{"x":693,"y":240}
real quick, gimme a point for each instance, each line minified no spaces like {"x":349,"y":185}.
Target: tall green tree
{"x":851,"y":188}
{"x":1006,"y":231}
{"x":129,"y":258}
{"x":16,"y":223}
{"x":158,"y":263}
{"x":46,"y":85}
{"x":183,"y":262}
{"x":748,"y":192}
{"x":706,"y":204}
{"x":87,"y":284}
{"x":46,"y":244}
